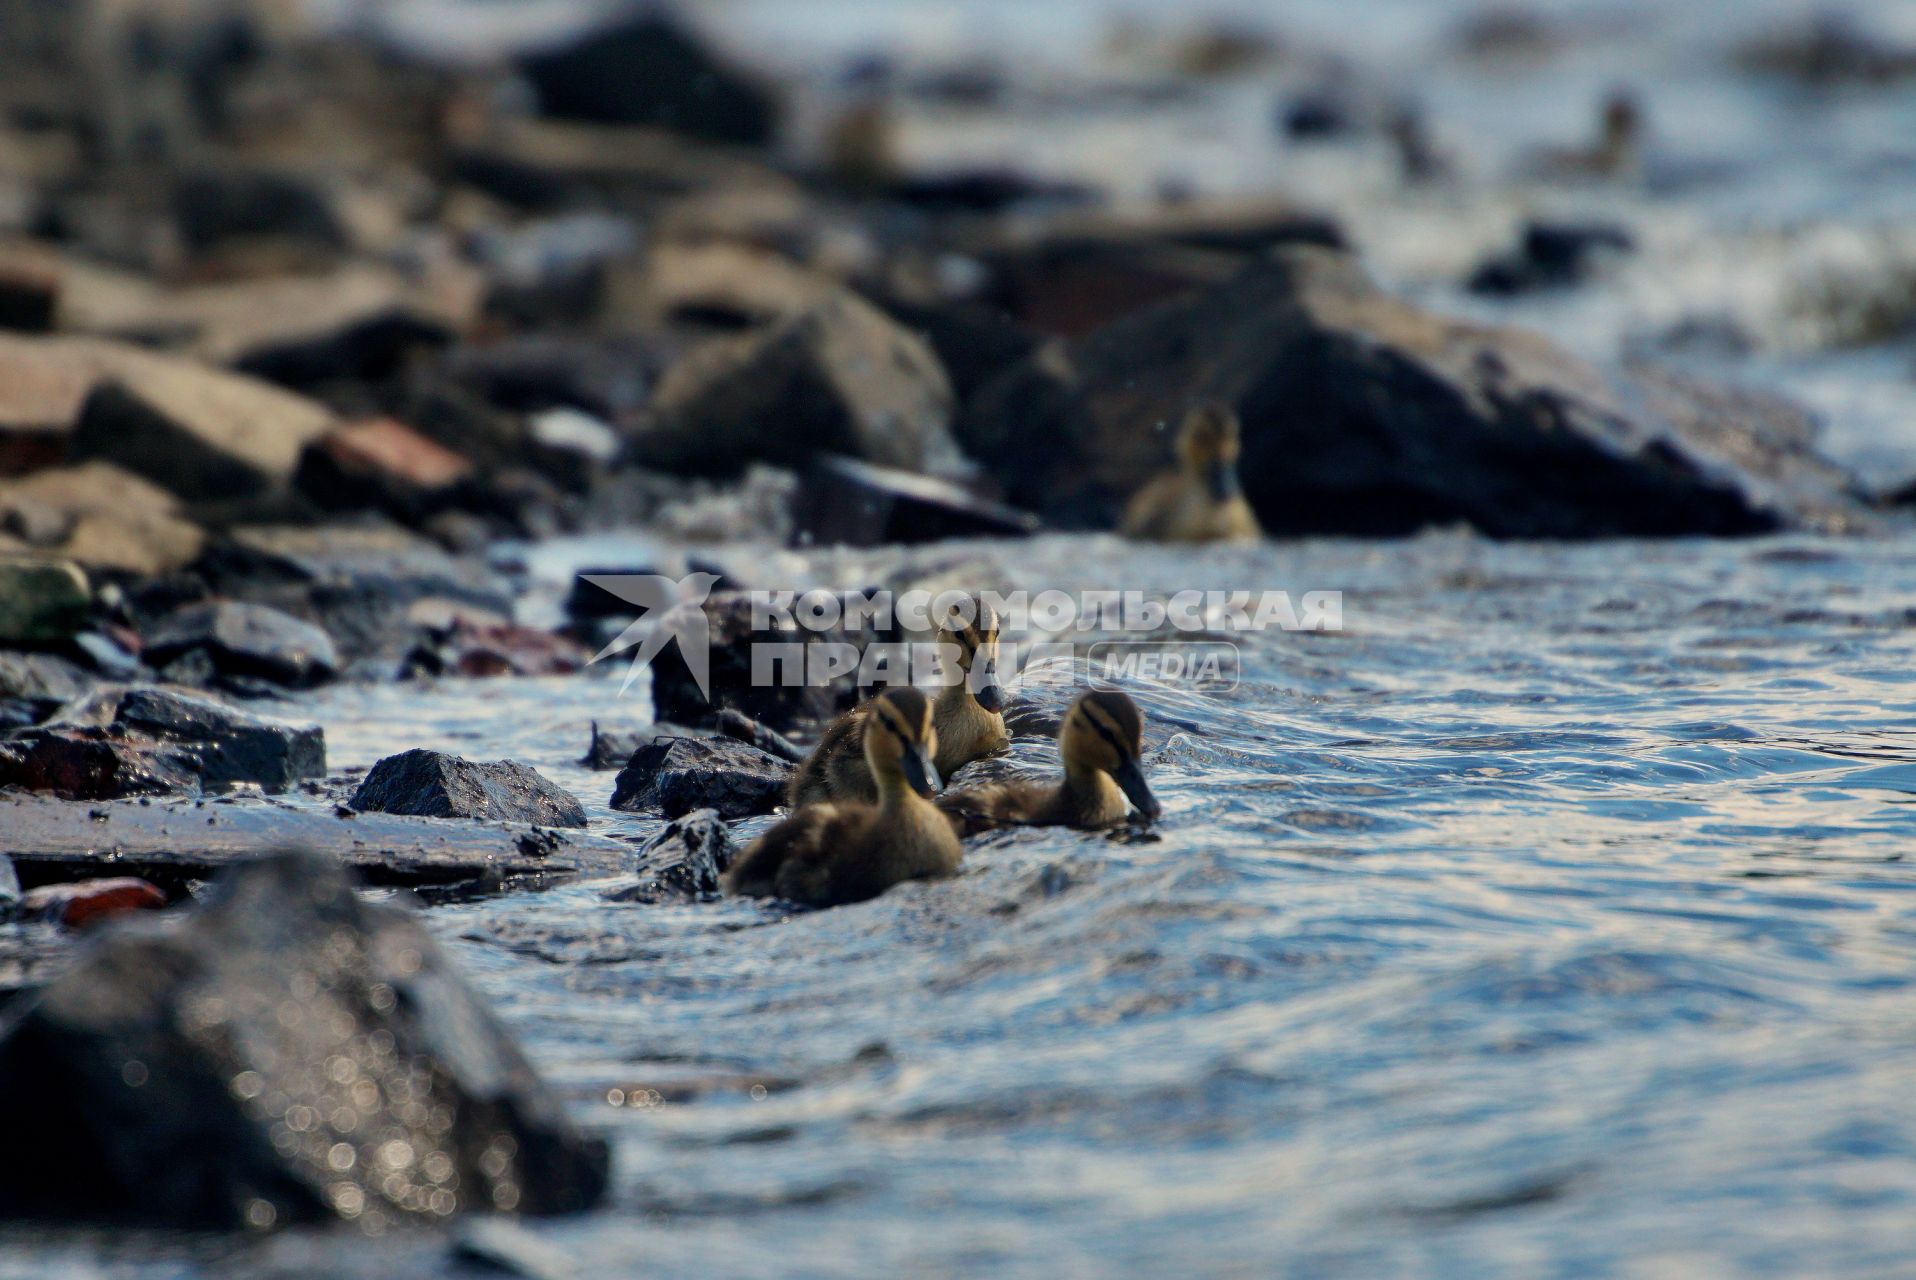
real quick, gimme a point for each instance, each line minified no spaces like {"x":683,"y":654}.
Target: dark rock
{"x":839,"y":378}
{"x":587,"y":601}
{"x":94,"y":764}
{"x":175,"y":843}
{"x":38,"y":684}
{"x":733,"y":724}
{"x":165,"y":1082}
{"x":1828,"y":49}
{"x":1318,"y":115}
{"x":41,"y":601}
{"x":678,"y":775}
{"x":247,"y":640}
{"x":735,"y":680}
{"x":430,"y":784}
{"x":368,"y":348}
{"x":228,"y":745}
{"x":652,"y":71}
{"x":683,"y":861}
{"x":29,"y":298}
{"x":611,"y":748}
{"x":1365,"y":415}
{"x":85,"y":903}
{"x":843,"y":501}
{"x":973,"y":342}
{"x":986,"y":191}
{"x":214,"y":206}
{"x":1552,"y":255}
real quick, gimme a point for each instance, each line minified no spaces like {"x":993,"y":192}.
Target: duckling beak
{"x":1223,"y":480}
{"x":1130,"y":780}
{"x":990,"y":694}
{"x":921,"y":775}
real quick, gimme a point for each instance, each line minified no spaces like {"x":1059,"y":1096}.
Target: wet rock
{"x":610,"y":749}
{"x":176,"y":842}
{"x":380,"y":463}
{"x":650,"y":70}
{"x":208,"y":436}
{"x":227,"y":745}
{"x":468,"y":648}
{"x":842,"y":501}
{"x":431,"y":784}
{"x":107,"y":518}
{"x":1365,"y":415}
{"x":736,"y":679}
{"x":85,"y":903}
{"x":247,"y":640}
{"x":678,"y":775}
{"x":1551,"y":256}
{"x":840,"y":378}
{"x":154,"y":1076}
{"x":95,"y":764}
{"x":684,"y":861}
{"x":120,"y":742}
{"x":41,"y":601}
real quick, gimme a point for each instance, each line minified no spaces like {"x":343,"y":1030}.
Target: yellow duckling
{"x":968,"y":713}
{"x":826,"y":854}
{"x":1101,"y":740}
{"x":1201,"y":501}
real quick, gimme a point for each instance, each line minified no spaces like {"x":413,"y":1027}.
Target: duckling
{"x":1101,"y":740}
{"x":845,"y":851}
{"x":1619,"y":147}
{"x":1202,"y":500}
{"x":969,"y":713}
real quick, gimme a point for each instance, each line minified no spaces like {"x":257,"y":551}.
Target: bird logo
{"x":669,"y":610}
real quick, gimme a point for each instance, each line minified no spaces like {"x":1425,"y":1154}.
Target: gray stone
{"x":431,"y":784}
{"x":684,"y":861}
{"x":247,"y":640}
{"x":678,"y":775}
{"x":214,"y":1069}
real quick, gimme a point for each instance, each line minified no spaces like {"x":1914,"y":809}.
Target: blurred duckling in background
{"x":1201,"y":501}
{"x":827,"y":854}
{"x":1101,"y":741}
{"x":968,"y":713}
{"x":1618,"y":151}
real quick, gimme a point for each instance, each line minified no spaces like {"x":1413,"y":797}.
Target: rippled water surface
{"x":1551,"y":918}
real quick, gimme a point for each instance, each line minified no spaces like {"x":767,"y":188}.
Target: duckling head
{"x":1208,"y":445}
{"x":900,"y":742}
{"x":975,"y":632}
{"x":1104,"y":731}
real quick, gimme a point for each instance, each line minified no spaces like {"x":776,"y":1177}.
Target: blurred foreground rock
{"x":41,"y":601}
{"x":1365,"y":415}
{"x":286,"y":1053}
{"x":431,"y":784}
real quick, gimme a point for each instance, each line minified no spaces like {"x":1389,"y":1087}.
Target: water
{"x":1553,"y":918}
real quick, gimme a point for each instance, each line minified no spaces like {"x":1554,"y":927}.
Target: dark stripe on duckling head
{"x":1115,"y":718}
{"x":906,"y":712}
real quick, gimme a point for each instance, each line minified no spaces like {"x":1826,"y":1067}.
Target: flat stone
{"x":109,"y":518}
{"x":175,"y":842}
{"x":435,"y":785}
{"x":154,"y":1075}
{"x":678,"y":775}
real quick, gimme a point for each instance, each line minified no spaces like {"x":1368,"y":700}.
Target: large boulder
{"x":285,"y":1053}
{"x":679,"y":775}
{"x":431,"y":784}
{"x":841,"y":377}
{"x":1365,"y":415}
{"x":652,"y":71}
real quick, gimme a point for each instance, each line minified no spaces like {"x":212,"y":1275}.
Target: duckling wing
{"x":840,"y":753}
{"x":755,"y":873}
{"x":996,"y":804}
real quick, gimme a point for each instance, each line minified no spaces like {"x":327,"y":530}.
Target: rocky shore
{"x":297,"y":328}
